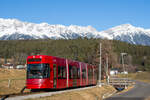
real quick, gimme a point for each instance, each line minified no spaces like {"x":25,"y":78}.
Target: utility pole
{"x":100,"y":67}
{"x":122,"y":54}
{"x":107,"y":65}
{"x":107,"y":69}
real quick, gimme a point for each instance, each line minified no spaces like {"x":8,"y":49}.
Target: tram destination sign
{"x":34,"y":60}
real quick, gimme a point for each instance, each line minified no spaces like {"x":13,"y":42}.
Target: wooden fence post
{"x":9,"y":82}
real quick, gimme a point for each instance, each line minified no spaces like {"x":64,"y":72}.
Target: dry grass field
{"x":12,"y":73}
{"x":88,"y":94}
{"x":17,"y":80}
{"x":148,"y":98}
{"x":140,"y":76}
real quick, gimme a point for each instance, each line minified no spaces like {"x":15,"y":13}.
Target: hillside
{"x":86,"y":50}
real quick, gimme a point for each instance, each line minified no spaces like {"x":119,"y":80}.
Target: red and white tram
{"x":51,"y":72}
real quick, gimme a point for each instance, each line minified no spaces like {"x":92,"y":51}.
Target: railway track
{"x":37,"y":94}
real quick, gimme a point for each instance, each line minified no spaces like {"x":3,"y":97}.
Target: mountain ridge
{"x":13,"y":29}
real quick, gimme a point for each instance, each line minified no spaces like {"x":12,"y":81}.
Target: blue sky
{"x":101,"y":14}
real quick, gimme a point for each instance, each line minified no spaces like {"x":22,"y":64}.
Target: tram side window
{"x":75,"y":73}
{"x":70,"y":72}
{"x":90,"y":73}
{"x":54,"y":68}
{"x":95,"y":74}
{"x":61,"y":72}
{"x":83,"y":73}
{"x":78,"y":73}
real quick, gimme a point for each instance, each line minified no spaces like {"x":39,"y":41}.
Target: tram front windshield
{"x":38,"y":71}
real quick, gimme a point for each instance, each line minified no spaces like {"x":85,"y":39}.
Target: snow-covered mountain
{"x":129,"y":33}
{"x":13,"y":29}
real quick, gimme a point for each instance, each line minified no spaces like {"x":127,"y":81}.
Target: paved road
{"x":139,"y":92}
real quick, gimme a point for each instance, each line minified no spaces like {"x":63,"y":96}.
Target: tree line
{"x":85,"y":50}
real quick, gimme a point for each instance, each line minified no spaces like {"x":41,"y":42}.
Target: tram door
{"x":55,"y":75}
